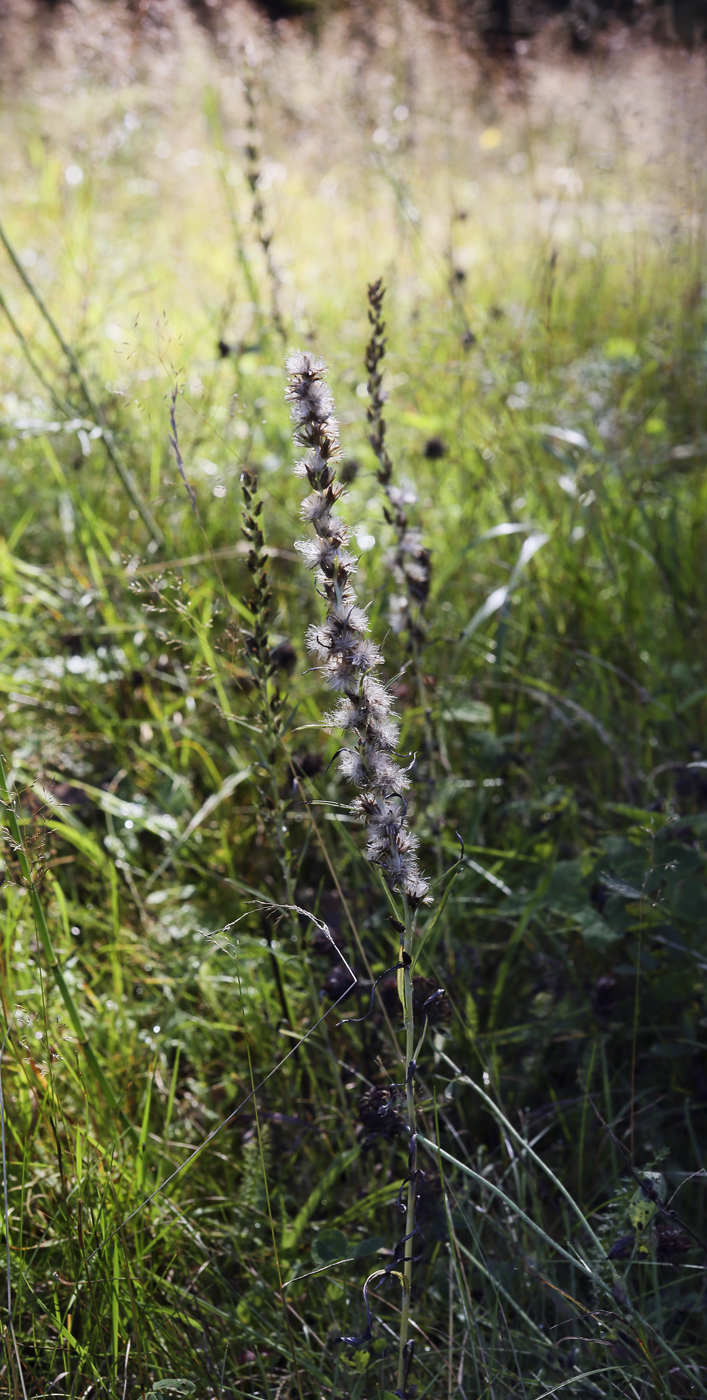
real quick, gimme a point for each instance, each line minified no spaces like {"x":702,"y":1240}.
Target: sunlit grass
{"x":541,"y":239}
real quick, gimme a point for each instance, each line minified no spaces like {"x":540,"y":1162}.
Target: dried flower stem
{"x":411,"y":560}
{"x":270,"y":698}
{"x":253,"y":174}
{"x":350,"y":662}
{"x":258,"y":641}
{"x":214,"y":117}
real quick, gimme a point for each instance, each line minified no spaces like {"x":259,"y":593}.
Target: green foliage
{"x":181,"y":833}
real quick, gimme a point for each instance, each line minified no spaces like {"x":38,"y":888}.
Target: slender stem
{"x":409,"y":551}
{"x":10,"y":1321}
{"x":264,"y":238}
{"x":364,"y":709}
{"x":409,"y":1018}
{"x":269,"y":703}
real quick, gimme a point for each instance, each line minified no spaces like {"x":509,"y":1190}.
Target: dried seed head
{"x":379,"y":1111}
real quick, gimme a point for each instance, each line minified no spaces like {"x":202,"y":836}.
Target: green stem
{"x":576,"y":1260}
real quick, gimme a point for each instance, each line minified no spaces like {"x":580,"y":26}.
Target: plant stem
{"x":264,"y":238}
{"x":409,"y":1018}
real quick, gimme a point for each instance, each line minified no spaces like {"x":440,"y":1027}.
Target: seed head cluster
{"x":350,"y":660}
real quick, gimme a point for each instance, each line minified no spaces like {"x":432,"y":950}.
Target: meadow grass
{"x":204,"y":1127}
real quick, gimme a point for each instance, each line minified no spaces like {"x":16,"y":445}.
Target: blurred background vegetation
{"x":188,"y":191}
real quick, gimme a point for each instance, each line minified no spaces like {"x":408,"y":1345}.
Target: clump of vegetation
{"x":378,"y":1069}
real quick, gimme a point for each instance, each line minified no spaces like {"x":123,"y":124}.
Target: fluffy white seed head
{"x":299,"y":362}
{"x":349,"y":659}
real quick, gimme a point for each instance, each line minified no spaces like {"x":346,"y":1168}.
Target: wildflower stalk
{"x":350,"y":662}
{"x":214,"y":119}
{"x":253,"y":174}
{"x":269,"y":698}
{"x":263,"y":668}
{"x":411,"y":560}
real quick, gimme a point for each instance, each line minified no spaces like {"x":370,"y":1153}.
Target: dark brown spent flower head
{"x":337,"y":983}
{"x":604,"y":997}
{"x":416,"y":566}
{"x":671,"y":1243}
{"x":284,"y":656}
{"x":307,"y":765}
{"x":622,"y":1247}
{"x":430,"y":1001}
{"x":435,"y":448}
{"x":379,"y":1113}
{"x":349,"y":470}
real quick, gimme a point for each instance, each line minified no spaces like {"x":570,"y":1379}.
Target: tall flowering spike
{"x":350,"y":661}
{"x":410,"y":561}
